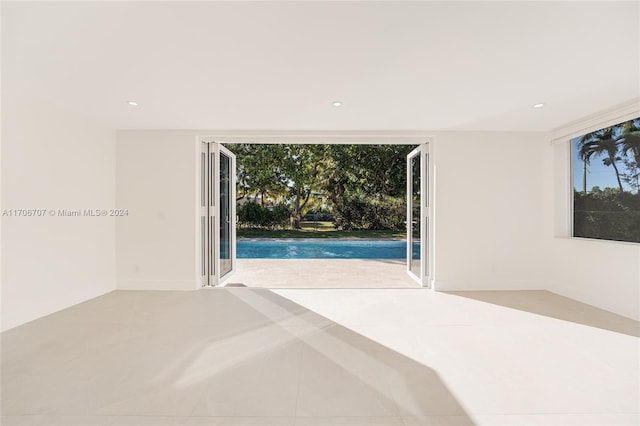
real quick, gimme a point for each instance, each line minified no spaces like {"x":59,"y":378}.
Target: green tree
{"x":587,"y":145}
{"x":599,"y":143}
{"x":321,"y":176}
{"x":258,"y":171}
{"x":373,"y":170}
{"x":303,"y":168}
{"x":629,"y":139}
{"x":609,"y":147}
{"x":629,"y":143}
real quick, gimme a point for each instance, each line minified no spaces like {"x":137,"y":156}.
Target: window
{"x":606,"y":183}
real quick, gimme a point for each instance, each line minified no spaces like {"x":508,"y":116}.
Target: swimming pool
{"x":322,"y":249}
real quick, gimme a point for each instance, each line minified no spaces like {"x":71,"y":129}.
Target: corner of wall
{"x":54,"y":160}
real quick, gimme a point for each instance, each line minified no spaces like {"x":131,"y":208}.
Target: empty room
{"x":156,"y":155}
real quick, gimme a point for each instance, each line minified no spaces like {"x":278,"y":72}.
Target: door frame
{"x":325,"y":137}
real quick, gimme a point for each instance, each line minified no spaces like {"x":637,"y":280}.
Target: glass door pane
{"x":226,"y":247}
{"x":414,"y":242}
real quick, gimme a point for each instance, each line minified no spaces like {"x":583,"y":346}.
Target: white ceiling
{"x":280,"y":65}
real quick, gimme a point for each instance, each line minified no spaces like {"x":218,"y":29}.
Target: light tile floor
{"x":323,"y":273}
{"x":242,"y":356}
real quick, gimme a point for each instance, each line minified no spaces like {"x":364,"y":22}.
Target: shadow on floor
{"x":346,"y":370}
{"x":226,"y":352}
{"x":552,"y":305}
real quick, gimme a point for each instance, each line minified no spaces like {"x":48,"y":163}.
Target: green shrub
{"x":607,"y":214}
{"x":280,"y":216}
{"x":359,"y":212}
{"x":253,"y":215}
{"x":250,"y":214}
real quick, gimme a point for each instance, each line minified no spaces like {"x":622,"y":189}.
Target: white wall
{"x":156,"y":243}
{"x":603,"y":274}
{"x":54,"y":159}
{"x":489,"y":218}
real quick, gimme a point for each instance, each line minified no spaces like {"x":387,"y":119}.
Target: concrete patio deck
{"x":322,"y":273}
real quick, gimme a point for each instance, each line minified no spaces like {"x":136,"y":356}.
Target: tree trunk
{"x":615,"y":168}
{"x":295,"y":217}
{"x":584,"y":176}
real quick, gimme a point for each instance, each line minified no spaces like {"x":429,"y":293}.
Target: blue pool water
{"x":322,"y":249}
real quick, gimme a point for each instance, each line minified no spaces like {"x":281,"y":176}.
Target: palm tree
{"x":629,"y":143}
{"x":587,"y":146}
{"x":629,"y":139}
{"x":606,"y":145}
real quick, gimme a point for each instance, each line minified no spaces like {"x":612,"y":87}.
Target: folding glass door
{"x":418,"y":208}
{"x":217,"y":213}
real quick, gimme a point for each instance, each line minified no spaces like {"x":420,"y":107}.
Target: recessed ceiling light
{"x":538,"y":105}
{"x":337,"y":104}
{"x":132,"y":103}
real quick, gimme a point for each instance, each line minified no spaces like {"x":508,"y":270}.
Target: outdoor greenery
{"x":607,"y":213}
{"x":358,"y":211}
{"x":316,"y":230}
{"x":252,"y":215}
{"x":360,"y":187}
{"x":610,"y":213}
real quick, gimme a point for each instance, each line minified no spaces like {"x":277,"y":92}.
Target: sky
{"x":597,"y":173}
